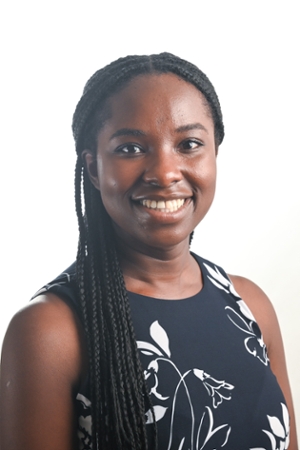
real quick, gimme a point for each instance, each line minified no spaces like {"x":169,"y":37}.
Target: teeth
{"x":168,"y":206}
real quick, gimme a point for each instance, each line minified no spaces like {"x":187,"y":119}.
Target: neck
{"x":169,"y":273}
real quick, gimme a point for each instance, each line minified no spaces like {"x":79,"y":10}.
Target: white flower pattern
{"x":216,"y":389}
{"x":245,"y":321}
{"x":279,"y":433}
{"x":205,"y":440}
{"x":210,"y":429}
{"x":84,"y":431}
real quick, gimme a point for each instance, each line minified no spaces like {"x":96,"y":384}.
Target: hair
{"x":119,"y":394}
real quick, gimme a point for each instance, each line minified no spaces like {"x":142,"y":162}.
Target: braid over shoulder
{"x":118,"y":390}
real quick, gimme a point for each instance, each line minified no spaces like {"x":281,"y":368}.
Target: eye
{"x":129,"y":149}
{"x":190,"y":144}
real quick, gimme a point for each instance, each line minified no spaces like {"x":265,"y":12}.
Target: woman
{"x":141,"y":344}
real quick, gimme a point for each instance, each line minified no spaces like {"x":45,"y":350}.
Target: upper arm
{"x":41,"y":365}
{"x":264,"y":313}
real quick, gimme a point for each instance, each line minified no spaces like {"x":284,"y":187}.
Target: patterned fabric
{"x":207,"y":368}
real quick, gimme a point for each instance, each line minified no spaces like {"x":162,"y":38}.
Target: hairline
{"x":104,"y":114}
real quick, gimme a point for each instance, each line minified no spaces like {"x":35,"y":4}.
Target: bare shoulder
{"x":259,"y":304}
{"x":48,"y":327}
{"x":264,"y":314}
{"x":41,"y":367}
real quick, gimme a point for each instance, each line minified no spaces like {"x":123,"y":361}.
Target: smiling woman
{"x":157,"y":146}
{"x":142,"y":344}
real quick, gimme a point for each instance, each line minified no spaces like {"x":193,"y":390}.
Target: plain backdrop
{"x":250,"y":51}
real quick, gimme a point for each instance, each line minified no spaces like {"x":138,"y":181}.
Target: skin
{"x":157,"y":144}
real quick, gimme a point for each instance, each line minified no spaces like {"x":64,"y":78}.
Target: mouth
{"x":167,"y":206}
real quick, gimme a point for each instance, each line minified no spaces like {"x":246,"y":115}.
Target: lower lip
{"x":164,"y":216}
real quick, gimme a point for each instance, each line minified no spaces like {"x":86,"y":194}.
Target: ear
{"x":90,"y":162}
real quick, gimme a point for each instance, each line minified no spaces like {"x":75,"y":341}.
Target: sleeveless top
{"x":206,"y":366}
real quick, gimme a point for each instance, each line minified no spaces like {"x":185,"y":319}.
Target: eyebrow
{"x":192,"y":126}
{"x":138,"y":133}
{"x":127,"y":132}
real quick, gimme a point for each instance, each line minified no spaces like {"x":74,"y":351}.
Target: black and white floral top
{"x":207,"y":368}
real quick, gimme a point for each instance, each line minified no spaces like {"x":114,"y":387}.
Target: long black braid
{"x":119,"y":394}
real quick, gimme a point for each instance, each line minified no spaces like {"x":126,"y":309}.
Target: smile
{"x":164,"y":206}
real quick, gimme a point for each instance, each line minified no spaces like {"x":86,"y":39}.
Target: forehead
{"x":158,"y":97}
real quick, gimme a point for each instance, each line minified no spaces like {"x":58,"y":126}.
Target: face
{"x":155,"y":165}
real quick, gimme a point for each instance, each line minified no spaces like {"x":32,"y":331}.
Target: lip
{"x":163,"y":196}
{"x":163,"y":215}
{"x":173,"y":192}
{"x":163,"y":206}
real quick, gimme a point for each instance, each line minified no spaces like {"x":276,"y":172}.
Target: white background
{"x":249,"y":49}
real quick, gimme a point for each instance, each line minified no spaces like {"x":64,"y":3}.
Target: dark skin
{"x":156,"y":146}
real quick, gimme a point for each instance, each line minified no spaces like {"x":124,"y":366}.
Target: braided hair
{"x":119,"y":394}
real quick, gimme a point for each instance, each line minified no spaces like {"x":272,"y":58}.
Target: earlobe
{"x":90,"y":163}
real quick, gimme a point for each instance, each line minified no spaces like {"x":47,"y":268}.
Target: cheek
{"x":205,"y":180}
{"x":206,"y":173}
{"x":113,"y":187}
{"x":109,"y":177}
{"x":211,"y":177}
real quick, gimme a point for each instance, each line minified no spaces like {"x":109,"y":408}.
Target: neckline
{"x":199,"y":261}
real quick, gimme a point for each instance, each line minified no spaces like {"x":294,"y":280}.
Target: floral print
{"x":254,"y":343}
{"x":207,"y":369}
{"x":218,"y":390}
{"x":244,"y":320}
{"x":279,"y":432}
{"x":214,"y":437}
{"x":199,"y":434}
{"x":84,"y":431}
{"x":220,"y":281}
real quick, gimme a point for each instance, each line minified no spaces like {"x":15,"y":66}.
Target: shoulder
{"x":45,"y":333}
{"x":41,"y":368}
{"x":260,"y":306}
{"x":265,"y":316}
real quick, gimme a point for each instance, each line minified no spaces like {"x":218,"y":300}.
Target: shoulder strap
{"x":64,"y":286}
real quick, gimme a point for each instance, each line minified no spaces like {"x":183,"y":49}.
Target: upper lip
{"x":163,"y":196}
{"x":160,"y":198}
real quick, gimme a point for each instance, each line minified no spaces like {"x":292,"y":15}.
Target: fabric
{"x":207,"y":368}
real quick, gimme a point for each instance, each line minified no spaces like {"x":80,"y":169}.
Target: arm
{"x":265,"y":316}
{"x":41,"y":366}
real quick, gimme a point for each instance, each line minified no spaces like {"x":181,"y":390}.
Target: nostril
{"x":163,"y":168}
{"x":161,"y":183}
{"x":153,"y":183}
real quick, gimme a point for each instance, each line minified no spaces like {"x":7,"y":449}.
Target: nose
{"x":163,"y":168}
